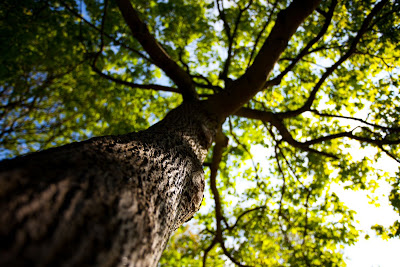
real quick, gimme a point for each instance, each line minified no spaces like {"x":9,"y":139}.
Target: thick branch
{"x":220,"y":143}
{"x":111,"y":78}
{"x":305,"y":51}
{"x":364,"y":27}
{"x":157,"y":53}
{"x":278,"y":124}
{"x":286,"y":136}
{"x":244,"y":88}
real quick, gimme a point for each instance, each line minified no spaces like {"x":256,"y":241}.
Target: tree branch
{"x":209,"y":85}
{"x":244,"y":147}
{"x":364,"y":27}
{"x":277,"y":122}
{"x":261,"y":33}
{"x":113,"y":39}
{"x":220,"y":143}
{"x":391,"y":129}
{"x":231,"y":40}
{"x":230,"y":228}
{"x":228,"y":254}
{"x":283,"y":155}
{"x":223,"y":18}
{"x":156,"y":51}
{"x":306,"y":215}
{"x":111,"y":78}
{"x":388,"y":153}
{"x":155,"y":87}
{"x":250,"y":83}
{"x":283,"y":190}
{"x":103,"y":20}
{"x":305,"y":50}
{"x":213,"y":243}
{"x":349,"y":134}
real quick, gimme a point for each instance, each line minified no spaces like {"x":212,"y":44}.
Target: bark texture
{"x":108,"y":201}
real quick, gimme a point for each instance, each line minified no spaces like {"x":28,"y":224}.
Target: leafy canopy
{"x":72,"y":70}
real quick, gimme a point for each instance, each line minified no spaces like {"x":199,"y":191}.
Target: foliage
{"x":72,"y":70}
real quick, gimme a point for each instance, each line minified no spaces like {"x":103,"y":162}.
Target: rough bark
{"x":108,"y":201}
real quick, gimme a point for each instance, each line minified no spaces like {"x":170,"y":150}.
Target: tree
{"x":306,"y":80}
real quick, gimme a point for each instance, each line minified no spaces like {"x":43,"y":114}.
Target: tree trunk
{"x":107,"y":201}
